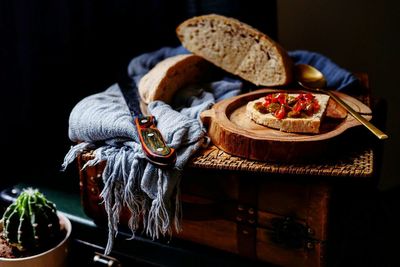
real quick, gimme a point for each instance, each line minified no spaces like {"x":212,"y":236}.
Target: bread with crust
{"x":293,"y":125}
{"x":237,"y":48}
{"x":172,"y":74}
{"x":335,"y":111}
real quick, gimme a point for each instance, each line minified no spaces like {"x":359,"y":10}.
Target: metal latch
{"x":103,"y":260}
{"x":291,"y":234}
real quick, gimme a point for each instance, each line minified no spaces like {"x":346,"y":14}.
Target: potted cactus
{"x":33,"y":233}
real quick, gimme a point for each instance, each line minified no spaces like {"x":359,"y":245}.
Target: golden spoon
{"x":312,"y":79}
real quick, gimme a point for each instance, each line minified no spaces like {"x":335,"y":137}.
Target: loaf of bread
{"x":172,"y":74}
{"x":294,"y":125}
{"x":237,"y":48}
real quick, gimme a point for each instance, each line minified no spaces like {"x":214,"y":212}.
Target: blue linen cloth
{"x":336,"y":77}
{"x":129,"y":180}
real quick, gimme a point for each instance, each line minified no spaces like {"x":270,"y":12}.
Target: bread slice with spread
{"x":237,"y":48}
{"x":295,"y":113}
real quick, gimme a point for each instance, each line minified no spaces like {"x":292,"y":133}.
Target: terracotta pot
{"x":55,"y":257}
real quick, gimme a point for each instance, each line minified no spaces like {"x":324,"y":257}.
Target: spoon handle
{"x":381,"y":135}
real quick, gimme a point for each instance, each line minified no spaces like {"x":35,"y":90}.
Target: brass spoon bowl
{"x":312,"y":79}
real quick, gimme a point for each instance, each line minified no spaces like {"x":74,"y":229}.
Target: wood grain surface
{"x":232,"y":131}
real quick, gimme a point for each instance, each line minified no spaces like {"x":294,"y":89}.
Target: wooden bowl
{"x":232,"y":131}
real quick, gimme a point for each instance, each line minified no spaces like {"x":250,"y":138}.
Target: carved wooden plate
{"x":232,"y":131}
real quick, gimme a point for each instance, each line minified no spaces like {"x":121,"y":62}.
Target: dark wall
{"x":54,"y":53}
{"x":359,"y":36}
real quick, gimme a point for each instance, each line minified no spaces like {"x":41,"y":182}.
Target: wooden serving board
{"x":232,"y":131}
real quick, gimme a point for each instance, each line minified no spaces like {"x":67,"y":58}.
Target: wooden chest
{"x":271,"y":212}
{"x":278,"y":214}
{"x":276,"y":221}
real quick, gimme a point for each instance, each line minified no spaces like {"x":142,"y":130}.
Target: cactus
{"x":31,"y":222}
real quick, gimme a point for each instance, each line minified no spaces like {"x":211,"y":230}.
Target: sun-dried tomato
{"x":280,"y":113}
{"x":282,"y":105}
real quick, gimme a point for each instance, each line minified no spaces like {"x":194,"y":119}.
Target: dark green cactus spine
{"x":31,"y":222}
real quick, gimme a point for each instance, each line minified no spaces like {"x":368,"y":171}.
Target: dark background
{"x":54,"y":53}
{"x":359,"y":35}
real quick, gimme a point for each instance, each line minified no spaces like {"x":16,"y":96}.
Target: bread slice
{"x":237,"y":48}
{"x":335,"y":111}
{"x":293,"y":125}
{"x":171,"y":74}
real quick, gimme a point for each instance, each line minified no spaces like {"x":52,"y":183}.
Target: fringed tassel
{"x":98,"y":157}
{"x":121,"y":187}
{"x":133,"y":197}
{"x":178,"y":209}
{"x":74,"y":152}
{"x":158,"y":219}
{"x":108,"y":203}
{"x":112,"y":195}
